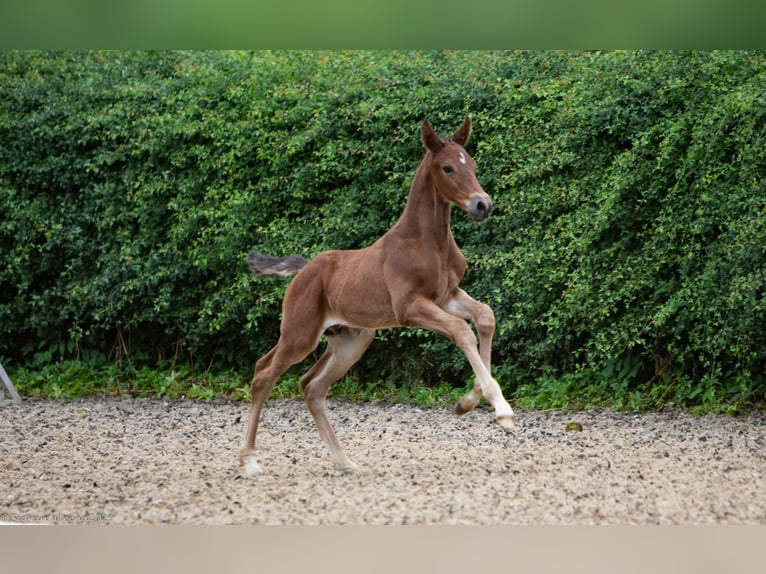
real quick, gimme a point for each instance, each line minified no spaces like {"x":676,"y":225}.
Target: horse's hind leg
{"x":267,"y":370}
{"x":344,"y":348}
{"x":266,"y":374}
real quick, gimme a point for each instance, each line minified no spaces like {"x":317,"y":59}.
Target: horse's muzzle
{"x":479,"y":207}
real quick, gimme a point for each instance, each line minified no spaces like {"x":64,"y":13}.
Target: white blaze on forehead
{"x":461,"y":157}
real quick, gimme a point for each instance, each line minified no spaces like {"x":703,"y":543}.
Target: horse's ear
{"x":430,"y":140}
{"x":463,"y":133}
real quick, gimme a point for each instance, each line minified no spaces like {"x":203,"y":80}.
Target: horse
{"x":409,"y":277}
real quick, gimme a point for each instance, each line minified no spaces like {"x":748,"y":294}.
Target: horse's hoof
{"x":464,"y":405}
{"x":352,"y":468}
{"x":507,"y":422}
{"x":250,"y":465}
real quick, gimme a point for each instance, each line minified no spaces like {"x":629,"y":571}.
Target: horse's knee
{"x":485,"y":320}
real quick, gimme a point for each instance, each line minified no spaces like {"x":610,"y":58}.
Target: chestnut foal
{"x":409,"y":277}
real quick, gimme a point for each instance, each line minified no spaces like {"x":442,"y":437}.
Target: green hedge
{"x":626,"y":256}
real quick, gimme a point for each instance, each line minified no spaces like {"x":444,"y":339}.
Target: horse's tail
{"x":266,"y":266}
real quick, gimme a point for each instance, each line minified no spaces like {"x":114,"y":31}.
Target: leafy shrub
{"x":626,"y":253}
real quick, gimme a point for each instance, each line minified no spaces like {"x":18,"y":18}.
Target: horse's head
{"x":454,"y":171}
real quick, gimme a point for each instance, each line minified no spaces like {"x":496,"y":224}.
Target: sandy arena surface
{"x":136,"y":461}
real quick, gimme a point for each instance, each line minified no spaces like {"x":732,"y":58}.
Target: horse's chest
{"x":452,"y":265}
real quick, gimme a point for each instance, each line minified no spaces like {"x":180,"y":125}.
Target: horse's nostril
{"x":481,"y":207}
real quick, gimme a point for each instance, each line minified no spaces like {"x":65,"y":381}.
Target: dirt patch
{"x":128,"y":461}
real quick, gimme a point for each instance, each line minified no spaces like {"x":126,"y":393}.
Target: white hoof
{"x":251,"y":465}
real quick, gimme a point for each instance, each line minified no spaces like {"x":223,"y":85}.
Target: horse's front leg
{"x":421,"y":312}
{"x":481,"y":315}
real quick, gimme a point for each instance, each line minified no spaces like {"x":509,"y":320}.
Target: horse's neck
{"x":426,"y":214}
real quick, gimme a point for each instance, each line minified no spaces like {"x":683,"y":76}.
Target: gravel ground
{"x":135,"y":461}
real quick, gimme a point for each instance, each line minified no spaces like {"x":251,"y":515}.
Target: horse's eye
{"x":448,"y":169}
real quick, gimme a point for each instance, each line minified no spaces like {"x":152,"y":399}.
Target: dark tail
{"x":267,"y":266}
